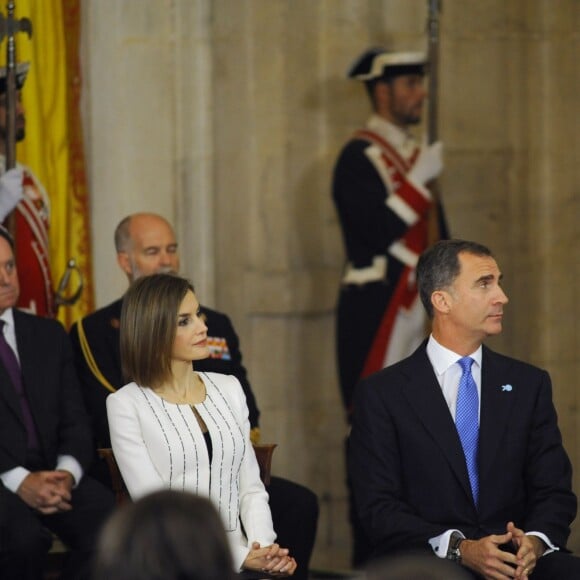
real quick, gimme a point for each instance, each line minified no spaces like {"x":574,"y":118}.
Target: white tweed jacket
{"x":160,"y":445}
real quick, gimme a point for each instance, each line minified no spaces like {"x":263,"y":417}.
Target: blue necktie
{"x":467,"y":421}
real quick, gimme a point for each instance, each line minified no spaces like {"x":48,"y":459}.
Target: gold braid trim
{"x":255,"y":435}
{"x":90,"y":359}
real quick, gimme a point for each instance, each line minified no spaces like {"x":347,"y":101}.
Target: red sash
{"x":415,"y":240}
{"x":31,"y":251}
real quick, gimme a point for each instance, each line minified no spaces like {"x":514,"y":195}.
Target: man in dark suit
{"x":145,"y":245}
{"x":496,"y":498}
{"x":45,"y":442}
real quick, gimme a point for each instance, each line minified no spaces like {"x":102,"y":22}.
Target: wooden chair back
{"x":119,"y":487}
{"x":264,"y":452}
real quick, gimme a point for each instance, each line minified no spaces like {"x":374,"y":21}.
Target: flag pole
{"x":438,"y":228}
{"x":9,"y":26}
{"x":433,"y":82}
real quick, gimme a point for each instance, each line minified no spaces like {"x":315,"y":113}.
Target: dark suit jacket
{"x":102,"y":332}
{"x":408,"y":470}
{"x":53,"y":393}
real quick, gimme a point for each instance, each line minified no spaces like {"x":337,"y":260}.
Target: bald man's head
{"x":145,"y":244}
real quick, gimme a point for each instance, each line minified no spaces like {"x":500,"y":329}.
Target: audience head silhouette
{"x":167,"y":535}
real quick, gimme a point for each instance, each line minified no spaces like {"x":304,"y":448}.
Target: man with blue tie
{"x":456,"y":449}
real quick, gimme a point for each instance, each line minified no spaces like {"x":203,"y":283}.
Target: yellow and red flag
{"x":53,"y":147}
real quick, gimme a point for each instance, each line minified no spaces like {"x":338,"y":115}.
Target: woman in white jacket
{"x":174,"y":428}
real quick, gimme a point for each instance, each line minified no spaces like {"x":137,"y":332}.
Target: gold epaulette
{"x":255,"y":435}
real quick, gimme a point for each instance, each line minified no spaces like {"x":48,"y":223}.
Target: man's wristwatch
{"x":453,"y":551}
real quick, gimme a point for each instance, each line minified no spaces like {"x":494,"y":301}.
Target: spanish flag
{"x":53,"y":147}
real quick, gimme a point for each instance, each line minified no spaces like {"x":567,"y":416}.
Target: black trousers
{"x":295,"y":514}
{"x":424,"y":563}
{"x":25,"y":539}
{"x":554,"y":566}
{"x":358,"y":316}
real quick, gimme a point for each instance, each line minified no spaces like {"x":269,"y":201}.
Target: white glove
{"x":428,"y":165}
{"x":10,"y":191}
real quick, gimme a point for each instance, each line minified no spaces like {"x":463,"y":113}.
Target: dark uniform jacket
{"x":384,"y":219}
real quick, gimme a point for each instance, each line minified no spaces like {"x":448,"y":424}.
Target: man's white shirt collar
{"x":7,"y":317}
{"x":442,"y":358}
{"x":401,"y":140}
{"x":9,"y":330}
{"x":448,"y":373}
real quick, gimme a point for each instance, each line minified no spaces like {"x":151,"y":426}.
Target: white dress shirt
{"x":404,"y":142}
{"x":448,"y":372}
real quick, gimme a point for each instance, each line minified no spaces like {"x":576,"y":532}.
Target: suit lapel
{"x":8,"y":392}
{"x":425,"y":397}
{"x":30,"y":353}
{"x":497,"y":400}
{"x":7,"y":388}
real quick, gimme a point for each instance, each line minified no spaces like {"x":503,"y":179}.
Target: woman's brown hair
{"x":148,"y":327}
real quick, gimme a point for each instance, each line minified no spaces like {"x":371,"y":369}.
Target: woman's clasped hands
{"x":271,"y":559}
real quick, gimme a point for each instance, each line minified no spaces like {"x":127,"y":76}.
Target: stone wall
{"x":226,"y":116}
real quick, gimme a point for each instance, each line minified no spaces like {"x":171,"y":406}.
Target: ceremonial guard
{"x":25,"y":210}
{"x":385,"y":207}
